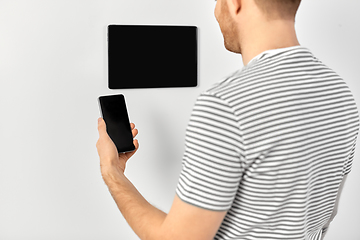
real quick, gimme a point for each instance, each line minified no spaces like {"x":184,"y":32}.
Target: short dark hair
{"x":279,"y":9}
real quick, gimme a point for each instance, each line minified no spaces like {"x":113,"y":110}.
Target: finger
{"x":136,"y":144}
{"x":102,"y":127}
{"x":135,"y":132}
{"x":129,"y":154}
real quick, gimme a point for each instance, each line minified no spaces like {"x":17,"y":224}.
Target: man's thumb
{"x":101,"y":126}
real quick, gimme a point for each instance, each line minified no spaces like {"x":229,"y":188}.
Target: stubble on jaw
{"x":228,"y":28}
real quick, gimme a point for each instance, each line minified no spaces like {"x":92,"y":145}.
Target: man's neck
{"x":267,"y":36}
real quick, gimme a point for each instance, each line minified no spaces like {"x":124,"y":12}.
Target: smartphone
{"x":115,"y":115}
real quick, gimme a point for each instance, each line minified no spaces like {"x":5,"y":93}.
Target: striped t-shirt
{"x":270,"y":145}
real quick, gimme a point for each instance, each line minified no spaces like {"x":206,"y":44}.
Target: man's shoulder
{"x":270,"y":66}
{"x":230,"y":81}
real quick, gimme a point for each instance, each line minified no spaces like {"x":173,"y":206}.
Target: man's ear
{"x":235,"y":6}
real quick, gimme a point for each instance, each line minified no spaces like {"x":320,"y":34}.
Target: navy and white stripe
{"x":270,"y":145}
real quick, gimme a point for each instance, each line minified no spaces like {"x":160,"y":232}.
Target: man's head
{"x":240,"y":18}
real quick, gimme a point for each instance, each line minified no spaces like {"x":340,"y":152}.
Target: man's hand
{"x":112,"y":163}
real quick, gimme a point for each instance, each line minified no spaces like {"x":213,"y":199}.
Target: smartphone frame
{"x":131,"y":146}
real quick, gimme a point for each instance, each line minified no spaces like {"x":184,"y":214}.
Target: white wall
{"x":52,"y":69}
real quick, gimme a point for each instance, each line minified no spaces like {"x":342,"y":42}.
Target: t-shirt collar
{"x":270,"y":53}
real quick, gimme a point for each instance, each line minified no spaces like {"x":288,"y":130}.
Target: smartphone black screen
{"x":148,"y":56}
{"x":115,"y":115}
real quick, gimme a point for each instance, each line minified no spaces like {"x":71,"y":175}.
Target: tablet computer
{"x":151,"y":56}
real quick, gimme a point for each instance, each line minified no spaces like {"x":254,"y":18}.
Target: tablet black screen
{"x":143,"y":56}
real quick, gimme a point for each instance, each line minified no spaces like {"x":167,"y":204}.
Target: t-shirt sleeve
{"x":212,"y":163}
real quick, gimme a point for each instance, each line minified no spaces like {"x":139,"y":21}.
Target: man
{"x":267,"y":150}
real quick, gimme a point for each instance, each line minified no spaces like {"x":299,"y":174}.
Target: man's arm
{"x":184,"y":221}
